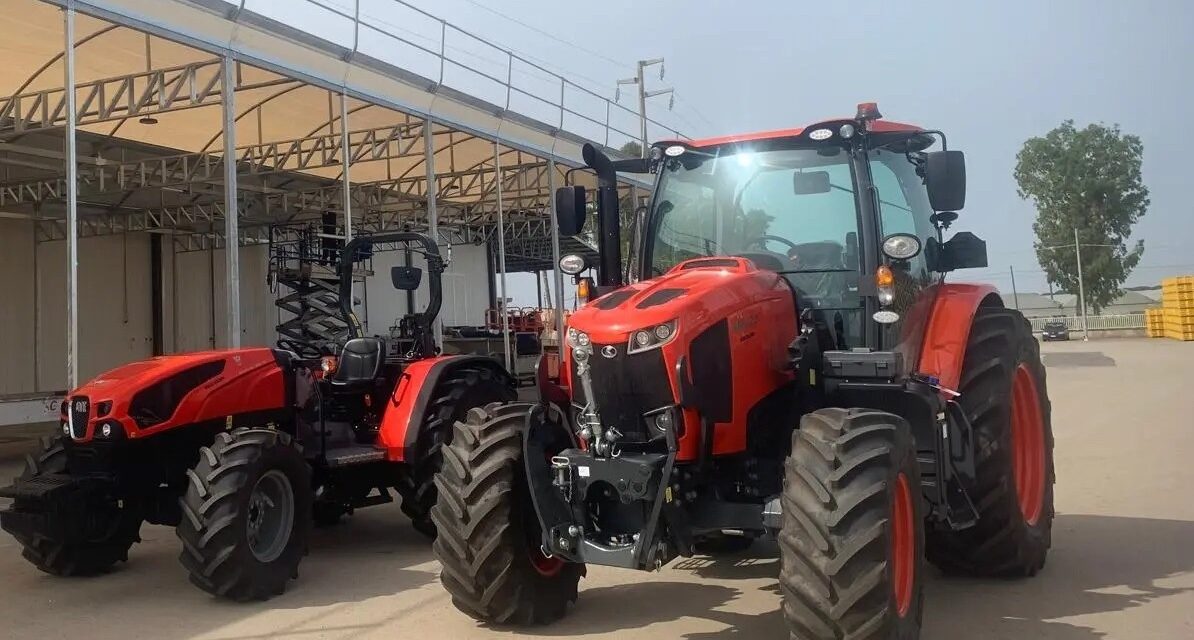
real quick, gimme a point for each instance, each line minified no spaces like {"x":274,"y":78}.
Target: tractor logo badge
{"x":80,"y":406}
{"x":609,"y":351}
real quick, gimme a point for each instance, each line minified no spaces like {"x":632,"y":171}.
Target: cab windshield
{"x":792,"y":211}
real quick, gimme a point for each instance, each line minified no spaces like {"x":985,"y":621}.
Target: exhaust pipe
{"x":609,"y":236}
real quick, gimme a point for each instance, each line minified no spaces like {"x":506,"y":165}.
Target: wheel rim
{"x":1028,"y":445}
{"x":270,"y":516}
{"x":544,"y":565}
{"x":903,"y":546}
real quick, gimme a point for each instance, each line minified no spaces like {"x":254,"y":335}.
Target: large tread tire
{"x":78,"y":559}
{"x":1002,"y":543}
{"x":483,"y":515}
{"x":464,"y":389}
{"x":215,"y":508}
{"x":840,"y":516}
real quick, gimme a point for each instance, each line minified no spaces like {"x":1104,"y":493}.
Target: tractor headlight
{"x":652,"y":337}
{"x":109,"y":430}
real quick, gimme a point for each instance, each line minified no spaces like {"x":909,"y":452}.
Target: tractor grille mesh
{"x":626,"y":386}
{"x":80,"y":410}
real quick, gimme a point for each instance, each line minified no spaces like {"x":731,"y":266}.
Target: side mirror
{"x":406,"y":278}
{"x":570,"y":209}
{"x":809,"y":182}
{"x":963,"y":251}
{"x":945,"y":178}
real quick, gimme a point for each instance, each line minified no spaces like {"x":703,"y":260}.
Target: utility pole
{"x":1081,"y":285}
{"x":1015,"y":296}
{"x":1081,"y":288}
{"x":643,"y":94}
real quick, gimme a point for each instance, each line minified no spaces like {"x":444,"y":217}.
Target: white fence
{"x":1094,"y":323}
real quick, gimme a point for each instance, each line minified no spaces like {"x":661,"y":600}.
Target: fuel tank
{"x":143,"y":398}
{"x":731,"y":324}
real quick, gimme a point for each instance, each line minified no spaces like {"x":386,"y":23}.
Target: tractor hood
{"x":695,"y":293}
{"x":135,"y":375}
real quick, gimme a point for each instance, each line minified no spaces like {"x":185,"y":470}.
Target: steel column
{"x":231,"y":219}
{"x":555,"y":253}
{"x":346,"y":191}
{"x":72,"y":202}
{"x":501,"y":237}
{"x":437,"y":329}
{"x":345,"y":161}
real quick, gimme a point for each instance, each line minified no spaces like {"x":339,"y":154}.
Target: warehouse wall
{"x":465,"y":283}
{"x":115,"y":319}
{"x":17,"y":340}
{"x":193,"y":303}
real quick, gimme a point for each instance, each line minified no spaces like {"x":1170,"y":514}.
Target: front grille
{"x":79,"y":411}
{"x":626,"y":386}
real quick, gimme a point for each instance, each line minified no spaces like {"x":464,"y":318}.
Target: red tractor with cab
{"x":792,"y":364}
{"x":243,"y":450}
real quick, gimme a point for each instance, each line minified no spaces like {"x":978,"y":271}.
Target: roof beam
{"x":133,"y":95}
{"x":301,"y":154}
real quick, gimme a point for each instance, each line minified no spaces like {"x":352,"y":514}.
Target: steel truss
{"x":133,"y":95}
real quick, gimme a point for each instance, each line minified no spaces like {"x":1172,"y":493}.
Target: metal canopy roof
{"x":150,"y":147}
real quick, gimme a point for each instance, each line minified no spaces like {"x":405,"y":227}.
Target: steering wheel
{"x":762,"y":241}
{"x":303,"y":348}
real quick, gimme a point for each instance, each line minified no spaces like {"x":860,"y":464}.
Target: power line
{"x":548,"y":34}
{"x":573,"y":45}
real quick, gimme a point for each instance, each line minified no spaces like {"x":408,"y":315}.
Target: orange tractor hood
{"x":696,"y":293}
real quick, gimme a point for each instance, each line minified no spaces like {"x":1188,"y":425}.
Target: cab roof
{"x":880,"y":126}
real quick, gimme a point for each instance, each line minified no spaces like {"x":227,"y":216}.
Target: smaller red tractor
{"x":242,"y":450}
{"x":792,"y":365}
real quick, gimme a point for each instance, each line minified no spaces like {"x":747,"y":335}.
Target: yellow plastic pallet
{"x":1178,"y":317}
{"x":1180,"y":303}
{"x":1184,"y":337}
{"x":1177,"y":289}
{"x":1177,"y":280}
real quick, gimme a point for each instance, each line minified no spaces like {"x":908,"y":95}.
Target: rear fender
{"x":948,"y":330}
{"x":407,"y":406}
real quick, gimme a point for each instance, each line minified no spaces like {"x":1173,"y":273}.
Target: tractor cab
{"x":852,"y":214}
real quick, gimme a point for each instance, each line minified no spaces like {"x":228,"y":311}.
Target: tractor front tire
{"x":489,"y":536}
{"x":1004,"y":397}
{"x":246,"y":515}
{"x":852,"y":535}
{"x":463,"y":390}
{"x":117,"y":526}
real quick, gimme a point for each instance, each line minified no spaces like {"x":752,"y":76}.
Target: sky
{"x":991,"y":75}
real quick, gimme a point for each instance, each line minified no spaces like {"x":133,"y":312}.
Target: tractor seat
{"x":359,"y":365}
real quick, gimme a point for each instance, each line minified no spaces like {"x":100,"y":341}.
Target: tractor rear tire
{"x":489,"y":535}
{"x":236,"y":500}
{"x":1004,"y":397}
{"x":121,"y":524}
{"x":463,"y":390}
{"x":852,"y":536}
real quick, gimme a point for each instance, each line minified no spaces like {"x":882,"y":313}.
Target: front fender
{"x":948,"y":330}
{"x":407,"y":406}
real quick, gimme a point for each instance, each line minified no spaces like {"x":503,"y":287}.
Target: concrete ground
{"x":1122,"y":564}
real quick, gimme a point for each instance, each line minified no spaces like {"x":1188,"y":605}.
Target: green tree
{"x":1086,"y":180}
{"x":632,"y":149}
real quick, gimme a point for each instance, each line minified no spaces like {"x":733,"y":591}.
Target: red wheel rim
{"x":903,"y":546}
{"x":1028,"y":445}
{"x":545,"y":566}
